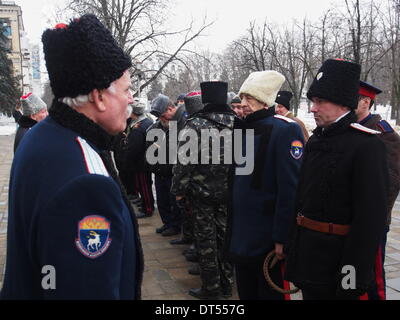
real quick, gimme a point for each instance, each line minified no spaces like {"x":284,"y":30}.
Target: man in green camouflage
{"x":203,"y":181}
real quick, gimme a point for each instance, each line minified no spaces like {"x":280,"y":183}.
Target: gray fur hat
{"x":138,"y":107}
{"x":193,"y":103}
{"x":159,"y":105}
{"x":32,"y":104}
{"x":231,"y":95}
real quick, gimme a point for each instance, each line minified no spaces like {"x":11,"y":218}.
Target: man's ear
{"x":97,"y":97}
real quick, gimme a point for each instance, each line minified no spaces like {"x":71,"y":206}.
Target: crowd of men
{"x":321,"y":203}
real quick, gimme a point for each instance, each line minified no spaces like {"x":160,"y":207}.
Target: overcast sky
{"x":232,"y":16}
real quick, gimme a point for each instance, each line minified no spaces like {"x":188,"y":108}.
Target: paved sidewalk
{"x":166,"y":276}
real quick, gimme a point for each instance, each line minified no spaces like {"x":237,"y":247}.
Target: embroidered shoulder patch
{"x":296,"y":149}
{"x":93,"y":236}
{"x":385,"y":127}
{"x":94,"y":163}
{"x":359,"y":127}
{"x":285,"y":119}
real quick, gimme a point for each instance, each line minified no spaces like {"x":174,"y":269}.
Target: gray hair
{"x":81,"y":100}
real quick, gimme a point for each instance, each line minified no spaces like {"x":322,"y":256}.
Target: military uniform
{"x":206,"y":188}
{"x":341,"y":203}
{"x":392,"y":142}
{"x":64,"y":190}
{"x":263,"y":202}
{"x":335,"y":187}
{"x":130,"y":159}
{"x":72,"y":233}
{"x":170,"y":213}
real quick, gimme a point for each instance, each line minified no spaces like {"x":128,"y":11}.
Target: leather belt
{"x":324,"y":227}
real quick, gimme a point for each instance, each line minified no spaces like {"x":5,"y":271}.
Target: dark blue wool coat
{"x":62,"y":180}
{"x":262,"y":202}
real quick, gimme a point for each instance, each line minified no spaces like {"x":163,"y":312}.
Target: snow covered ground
{"x":7,"y":126}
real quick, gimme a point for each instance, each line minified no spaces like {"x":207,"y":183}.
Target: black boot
{"x":201,"y":294}
{"x":194,"y":270}
{"x":181,"y":241}
{"x":161,"y":229}
{"x":192,"y":257}
{"x":191,"y":250}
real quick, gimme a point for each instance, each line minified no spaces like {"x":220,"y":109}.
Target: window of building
{"x":6,"y":27}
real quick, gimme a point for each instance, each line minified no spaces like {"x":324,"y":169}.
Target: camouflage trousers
{"x":187,"y":219}
{"x":210,"y":222}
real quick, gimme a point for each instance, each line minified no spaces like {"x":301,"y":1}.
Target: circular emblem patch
{"x":296,"y":149}
{"x":93,"y":236}
{"x":320,"y":75}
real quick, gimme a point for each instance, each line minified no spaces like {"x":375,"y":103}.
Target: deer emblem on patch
{"x":93,"y":236}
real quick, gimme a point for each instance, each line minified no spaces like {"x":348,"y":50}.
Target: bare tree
{"x":391,"y":31}
{"x":139,"y":27}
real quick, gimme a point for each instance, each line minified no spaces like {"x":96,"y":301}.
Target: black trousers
{"x":166,"y":203}
{"x":252,"y":285}
{"x":143,"y":186}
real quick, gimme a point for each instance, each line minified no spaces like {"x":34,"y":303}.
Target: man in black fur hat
{"x":205,"y":186}
{"x":340,"y":212}
{"x":72,"y":233}
{"x":283,"y":107}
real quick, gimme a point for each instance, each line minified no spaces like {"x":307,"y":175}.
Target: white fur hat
{"x":263,"y":86}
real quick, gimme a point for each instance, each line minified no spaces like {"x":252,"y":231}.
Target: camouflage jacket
{"x":202,"y":177}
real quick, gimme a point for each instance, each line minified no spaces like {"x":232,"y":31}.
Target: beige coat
{"x":290,"y":115}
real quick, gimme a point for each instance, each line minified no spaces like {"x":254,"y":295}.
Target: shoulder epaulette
{"x":94,"y":163}
{"x":385,"y":127}
{"x":284,"y":119}
{"x":360,"y":127}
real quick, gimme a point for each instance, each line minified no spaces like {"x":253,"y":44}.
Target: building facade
{"x":11,"y":20}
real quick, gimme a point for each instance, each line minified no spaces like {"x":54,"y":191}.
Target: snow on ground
{"x":7,"y":126}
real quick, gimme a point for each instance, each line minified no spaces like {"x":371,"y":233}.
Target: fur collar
{"x":77,"y":122}
{"x":26,"y":122}
{"x":337,"y":127}
{"x":260,"y":114}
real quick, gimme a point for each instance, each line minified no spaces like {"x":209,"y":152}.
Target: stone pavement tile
{"x":171,"y":287}
{"x":390,"y":291}
{"x":161,"y":275}
{"x":393,"y":275}
{"x":161,"y":245}
{"x":391,"y":268}
{"x":395,"y":246}
{"x":394,"y":284}
{"x":168,"y":253}
{"x":153,"y":263}
{"x":187,"y":284}
{"x":146,"y":230}
{"x":149,"y":255}
{"x":395,"y":256}
{"x":180,"y":273}
{"x":173,"y":297}
{"x":389,"y":261}
{"x":394,"y":296}
{"x":175,"y":262}
{"x":153,"y":289}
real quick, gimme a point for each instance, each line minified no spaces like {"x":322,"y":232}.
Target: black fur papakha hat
{"x":215,"y":92}
{"x":337,"y":81}
{"x":82,"y":56}
{"x":284,"y":98}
